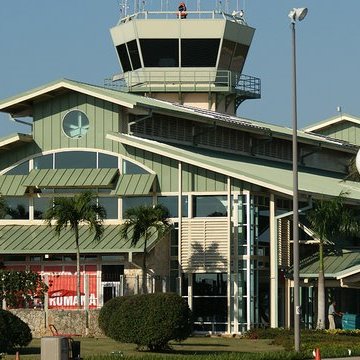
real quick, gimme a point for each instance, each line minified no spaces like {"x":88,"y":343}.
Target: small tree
{"x":139,"y":223}
{"x":71,"y":212}
{"x":21,"y":287}
{"x":14,"y":332}
{"x":150,"y":320}
{"x":329,"y":219}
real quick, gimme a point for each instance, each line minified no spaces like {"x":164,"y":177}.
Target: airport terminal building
{"x":165,"y":132}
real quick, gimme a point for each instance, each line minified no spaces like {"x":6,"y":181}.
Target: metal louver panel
{"x":204,"y":244}
{"x":284,"y":241}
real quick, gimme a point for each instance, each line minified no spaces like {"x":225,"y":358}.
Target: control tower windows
{"x":134,"y":54}
{"x":199,"y":52}
{"x":160,"y":52}
{"x":239,"y":57}
{"x":227,"y":51}
{"x":132,"y":49}
{"x":124,"y":58}
{"x":232,"y":56}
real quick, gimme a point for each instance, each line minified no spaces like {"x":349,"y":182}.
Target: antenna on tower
{"x":123,"y":7}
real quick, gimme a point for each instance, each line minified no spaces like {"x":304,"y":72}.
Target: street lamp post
{"x":296,"y":14}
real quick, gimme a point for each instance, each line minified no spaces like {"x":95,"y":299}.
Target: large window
{"x":131,"y":168}
{"x":171,"y":203}
{"x":210,"y":301}
{"x":40,"y":206}
{"x":75,"y":159}
{"x":18,"y":207}
{"x":208,"y":205}
{"x":111,"y":206}
{"x":135,"y":201}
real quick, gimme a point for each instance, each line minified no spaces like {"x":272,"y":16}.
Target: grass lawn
{"x":194,"y":345}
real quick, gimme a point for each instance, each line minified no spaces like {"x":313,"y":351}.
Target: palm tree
{"x":329,"y":219}
{"x":140,"y":223}
{"x":71,"y":212}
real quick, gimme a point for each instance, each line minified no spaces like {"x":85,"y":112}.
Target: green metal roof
{"x":134,"y":184}
{"x":42,"y":239}
{"x":21,"y":105}
{"x":336,"y":265}
{"x":273,"y":175}
{"x":12,"y":185}
{"x":71,"y":178}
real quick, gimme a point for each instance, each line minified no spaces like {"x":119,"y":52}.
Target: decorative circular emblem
{"x":75,"y":124}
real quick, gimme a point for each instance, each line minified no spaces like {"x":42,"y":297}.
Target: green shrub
{"x":151,"y":320}
{"x":13,"y":332}
{"x":107,"y":312}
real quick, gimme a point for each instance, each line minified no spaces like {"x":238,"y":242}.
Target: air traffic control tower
{"x":195,"y":61}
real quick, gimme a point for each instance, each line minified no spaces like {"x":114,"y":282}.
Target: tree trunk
{"x":78,"y":279}
{"x":144,"y":272}
{"x":321,"y":289}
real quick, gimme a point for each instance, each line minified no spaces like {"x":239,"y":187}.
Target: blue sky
{"x":45,"y":40}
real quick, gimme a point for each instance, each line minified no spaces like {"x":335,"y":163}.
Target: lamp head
{"x":297,"y":14}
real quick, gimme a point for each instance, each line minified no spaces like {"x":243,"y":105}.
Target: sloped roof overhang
{"x":269,"y":174}
{"x":22,"y":105}
{"x":42,"y":239}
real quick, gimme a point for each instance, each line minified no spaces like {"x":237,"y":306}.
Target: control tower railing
{"x":170,"y":15}
{"x":246,"y":86}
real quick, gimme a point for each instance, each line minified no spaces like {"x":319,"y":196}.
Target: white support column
{"x":228,"y":271}
{"x":180,"y":221}
{"x":273,"y":265}
{"x":248,"y":263}
{"x":236,"y":263}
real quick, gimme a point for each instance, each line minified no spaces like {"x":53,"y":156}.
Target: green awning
{"x":59,"y":178}
{"x":134,"y":184}
{"x":12,"y":185}
{"x":42,"y":239}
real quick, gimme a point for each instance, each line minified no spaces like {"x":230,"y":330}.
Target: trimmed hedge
{"x":150,"y":320}
{"x":13,"y":332}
